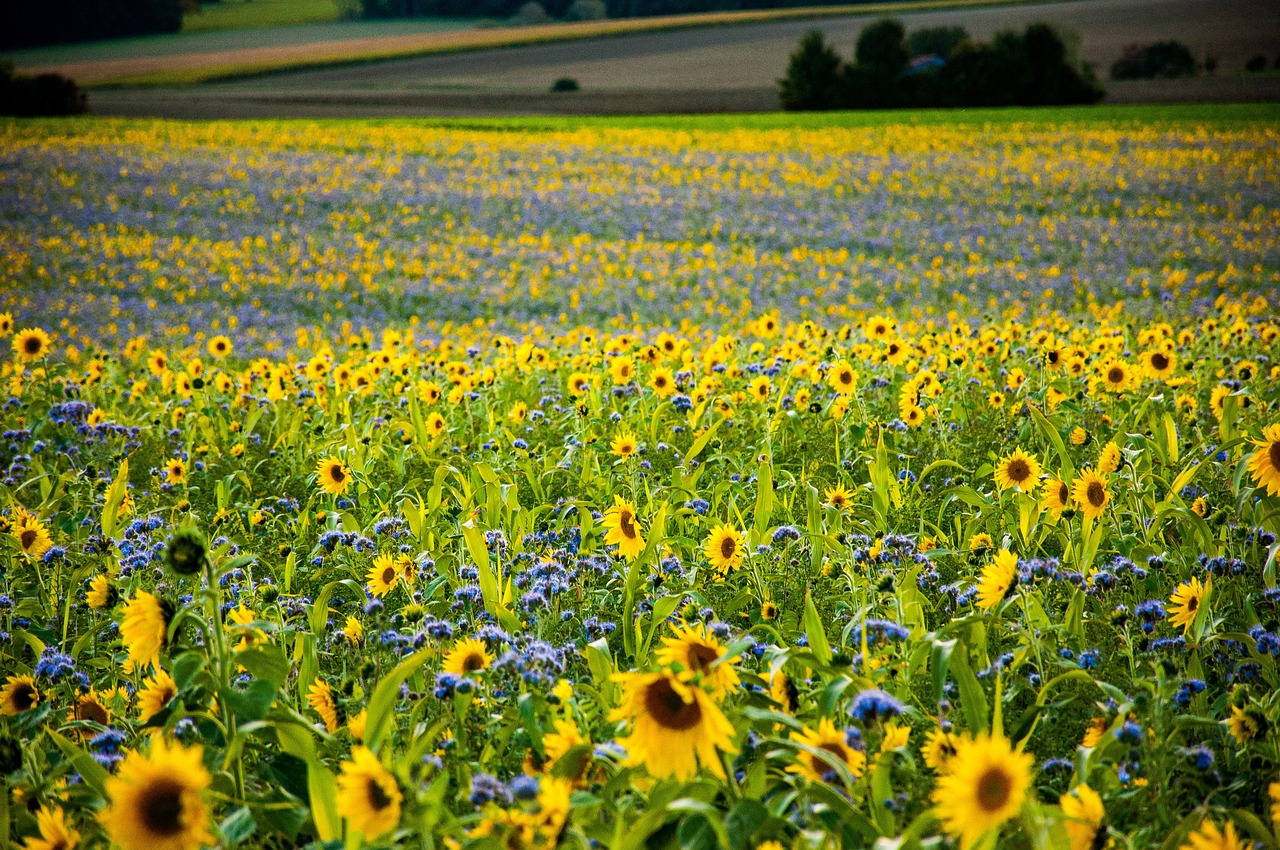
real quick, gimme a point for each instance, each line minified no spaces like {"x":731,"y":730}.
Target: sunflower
{"x":155,"y":695}
{"x":624,"y":445}
{"x":623,"y":528}
{"x":579,"y":384}
{"x":155,"y":800}
{"x":320,"y":698}
{"x":768,"y":611}
{"x":938,"y":750}
{"x":1083,"y":811}
{"x":102,"y":594}
{"x":382,"y":574}
{"x":1273,"y":790}
{"x":90,"y":707}
{"x":145,"y":627}
{"x":467,"y":656}
{"x":1090,"y":493}
{"x":912,"y":415}
{"x":1264,"y":463}
{"x":334,"y":476}
{"x":783,"y":691}
{"x":19,"y":694}
{"x":724,"y":548}
{"x":674,"y":726}
{"x":622,"y":370}
{"x":436,"y":424}
{"x":356,"y":725}
{"x":985,"y":786}
{"x":368,"y":795}
{"x":54,"y":831}
{"x":31,"y":344}
{"x":1079,"y":436}
{"x":698,"y":651}
{"x":175,"y":471}
{"x":1159,"y":364}
{"x":1057,"y":496}
{"x":219,"y":346}
{"x":759,"y":388}
{"x":6,"y":324}
{"x":1018,"y":469}
{"x":838,"y":497}
{"x":1186,"y":601}
{"x":1093,"y":734}
{"x":1116,"y":376}
{"x":842,"y":378}
{"x":830,"y":740}
{"x":32,"y":536}
{"x":998,"y":578}
{"x":1247,"y":723}
{"x":1209,"y":837}
{"x":1109,"y":459}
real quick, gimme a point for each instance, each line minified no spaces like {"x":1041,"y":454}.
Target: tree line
{"x":27,"y":24}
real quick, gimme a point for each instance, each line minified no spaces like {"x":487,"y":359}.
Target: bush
{"x":530,"y":14}
{"x":587,"y":10}
{"x":813,"y":76}
{"x":565,"y":84}
{"x":881,"y":48}
{"x":935,"y":41}
{"x":1162,"y":59}
{"x":47,"y":94}
{"x":1256,"y":64}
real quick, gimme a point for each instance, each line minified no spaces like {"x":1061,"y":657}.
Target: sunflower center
{"x":837,"y":500}
{"x":1064,"y":492}
{"x":161,"y":808}
{"x":24,"y":697}
{"x":668,"y":708}
{"x":32,"y":345}
{"x":626,"y":525}
{"x":1273,"y":454}
{"x":1160,"y":361}
{"x":378,"y":799}
{"x":701,"y":657}
{"x":1192,"y":604}
{"x":337,"y":475}
{"x":727,"y":547}
{"x":994,"y":790}
{"x":1116,"y":375}
{"x":1018,"y":470}
{"x":27,"y":537}
{"x":846,"y":377}
{"x":388,"y":575}
{"x":835,"y":749}
{"x":91,"y":710}
{"x":473,"y":662}
{"x":660,"y":382}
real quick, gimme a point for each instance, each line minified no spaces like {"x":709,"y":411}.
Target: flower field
{"x":851,"y":483}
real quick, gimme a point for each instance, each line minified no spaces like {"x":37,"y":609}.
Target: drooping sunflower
{"x":1090,"y":493}
{"x":938,"y":750}
{"x":102,"y":594}
{"x":1057,"y":496}
{"x":155,"y":695}
{"x":624,"y":445}
{"x":334,"y":476}
{"x":1247,"y":723}
{"x":1186,"y":600}
{"x":368,"y":795}
{"x":674,"y":726}
{"x":382,"y":574}
{"x":30,"y":344}
{"x":724,"y":548}
{"x":145,"y":627}
{"x":320,"y":698}
{"x":838,"y":497}
{"x":32,"y":536}
{"x":1079,"y":436}
{"x":1109,"y":458}
{"x":985,"y":786}
{"x":695,"y":649}
{"x":784,"y":692}
{"x":1018,"y":469}
{"x":54,"y":833}
{"x":832,"y":741}
{"x":1083,"y":810}
{"x":156,"y":800}
{"x":842,"y":378}
{"x":19,"y":694}
{"x":467,"y":656}
{"x":623,"y":528}
{"x":1209,"y":837}
{"x":91,"y":707}
{"x":1264,"y":464}
{"x":998,"y":578}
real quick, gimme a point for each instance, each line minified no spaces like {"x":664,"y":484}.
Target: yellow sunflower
{"x":838,"y":497}
{"x":155,"y":695}
{"x":144,"y":628}
{"x":830,"y":740}
{"x":32,"y":536}
{"x":784,"y":692}
{"x":156,"y":800}
{"x":382,"y":574}
{"x":320,"y":698}
{"x":1209,"y":837}
{"x":1186,"y":601}
{"x":842,"y":378}
{"x":579,"y":384}
{"x":1109,"y":459}
{"x":938,"y":750}
{"x":1057,"y":496}
{"x":998,"y":578}
{"x":334,"y":476}
{"x":467,"y":656}
{"x":674,"y":726}
{"x":1159,"y":364}
{"x":54,"y":831}
{"x":90,"y":707}
{"x":624,"y":445}
{"x":1090,"y":493}
{"x":1264,"y":464}
{"x":985,"y":786}
{"x":102,"y":594}
{"x":696,"y":650}
{"x":1247,"y":723}
{"x":1116,"y":376}
{"x":1018,"y":469}
{"x":31,"y":344}
{"x":1079,"y":436}
{"x":219,"y":346}
{"x":662,"y":382}
{"x":724,"y":548}
{"x":368,"y":795}
{"x":623,"y":528}
{"x":1083,"y":810}
{"x":19,"y":694}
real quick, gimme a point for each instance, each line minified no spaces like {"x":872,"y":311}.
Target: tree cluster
{"x":940,"y":67}
{"x":46,"y":94}
{"x":27,"y":24}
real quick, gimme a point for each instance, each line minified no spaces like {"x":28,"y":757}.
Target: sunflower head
{"x":368,"y":795}
{"x":19,"y":694}
{"x":185,"y":551}
{"x":31,"y":344}
{"x":985,"y":785}
{"x":334,"y":476}
{"x":156,"y":800}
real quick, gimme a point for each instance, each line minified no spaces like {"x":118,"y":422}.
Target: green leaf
{"x":764,"y":495}
{"x":237,"y":827}
{"x":742,"y":822}
{"x":253,"y":702}
{"x":939,"y":663}
{"x":701,"y":443}
{"x":383,"y":702}
{"x":265,"y":662}
{"x":814,"y":629}
{"x":93,"y":774}
{"x":115,"y":498}
{"x":973,"y":702}
{"x":1051,"y":434}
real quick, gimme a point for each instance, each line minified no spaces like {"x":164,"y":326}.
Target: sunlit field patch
{"x":635,"y":486}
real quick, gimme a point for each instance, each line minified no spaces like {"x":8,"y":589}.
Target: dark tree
{"x":813,"y":76}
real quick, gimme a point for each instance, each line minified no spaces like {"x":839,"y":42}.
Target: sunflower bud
{"x":185,"y":552}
